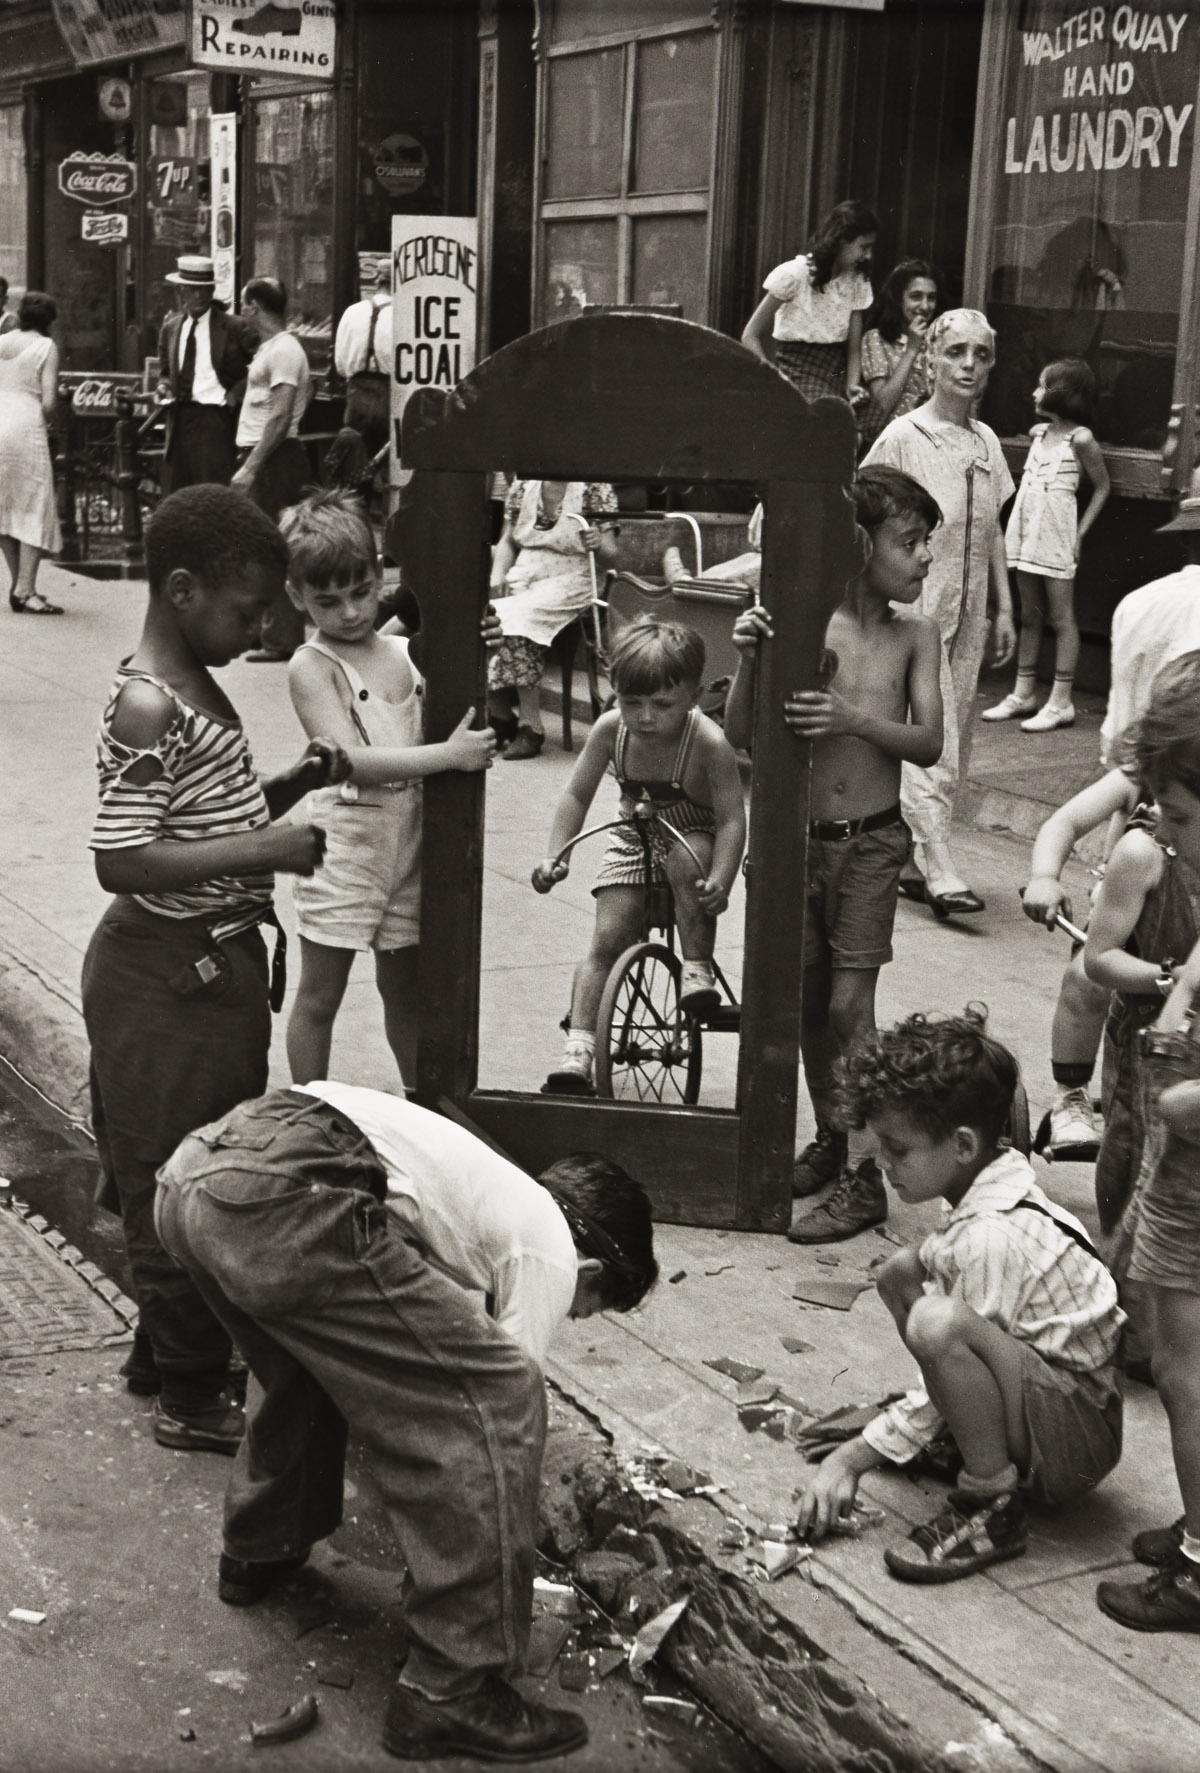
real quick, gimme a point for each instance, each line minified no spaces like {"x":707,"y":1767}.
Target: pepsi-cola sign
{"x":97,"y":179}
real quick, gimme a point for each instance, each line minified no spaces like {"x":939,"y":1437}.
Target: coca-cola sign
{"x":97,"y":179}
{"x":97,"y":394}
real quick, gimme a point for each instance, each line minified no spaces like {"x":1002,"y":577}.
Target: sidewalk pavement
{"x":1018,"y":1664}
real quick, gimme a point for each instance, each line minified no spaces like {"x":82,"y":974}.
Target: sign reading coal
{"x":265,"y":36}
{"x":435,"y":262}
{"x":97,"y":179}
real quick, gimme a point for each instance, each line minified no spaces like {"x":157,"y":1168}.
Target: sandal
{"x":33,"y":605}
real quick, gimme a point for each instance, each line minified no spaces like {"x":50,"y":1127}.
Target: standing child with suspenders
{"x":364,"y":686}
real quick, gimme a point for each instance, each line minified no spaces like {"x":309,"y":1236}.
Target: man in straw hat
{"x":203,"y":356}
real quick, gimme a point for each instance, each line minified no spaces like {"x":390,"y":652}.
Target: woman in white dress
{"x":28,"y":390}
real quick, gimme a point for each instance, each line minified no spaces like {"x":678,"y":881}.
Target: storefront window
{"x":1092,"y":171}
{"x":176,"y":181}
{"x":291,"y":211}
{"x":12,"y":200}
{"x":627,"y":158}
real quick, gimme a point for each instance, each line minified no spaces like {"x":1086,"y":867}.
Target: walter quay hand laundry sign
{"x":435,"y":262}
{"x":1101,"y":89}
{"x":265,"y":36}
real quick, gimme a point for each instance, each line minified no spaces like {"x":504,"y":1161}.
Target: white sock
{"x":581,"y":1040}
{"x":1026,"y":686}
{"x":1060,"y":695}
{"x":1191,"y":1546}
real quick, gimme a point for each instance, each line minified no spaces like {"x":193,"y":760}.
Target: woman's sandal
{"x":33,"y":605}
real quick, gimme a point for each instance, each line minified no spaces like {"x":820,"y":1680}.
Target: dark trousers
{"x":276,"y":1212}
{"x":201,"y":450}
{"x":165,"y":1059}
{"x":280,"y":482}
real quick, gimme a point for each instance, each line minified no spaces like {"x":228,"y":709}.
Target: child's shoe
{"x":858,"y":1202}
{"x":1167,"y":1601}
{"x":1158,"y":1545}
{"x":970,"y":1533}
{"x":1012,"y":707}
{"x":1049,"y":717}
{"x":1074,"y":1129}
{"x":820,"y":1161}
{"x":573,"y":1075}
{"x":698,"y":988}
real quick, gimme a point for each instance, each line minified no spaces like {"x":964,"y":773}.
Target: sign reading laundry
{"x":1101,"y":89}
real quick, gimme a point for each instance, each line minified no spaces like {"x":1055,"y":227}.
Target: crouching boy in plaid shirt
{"x":1010,"y":1314}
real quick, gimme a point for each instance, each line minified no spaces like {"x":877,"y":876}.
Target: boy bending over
{"x":882,"y":706}
{"x":661,"y":749}
{"x":1010,"y":1314}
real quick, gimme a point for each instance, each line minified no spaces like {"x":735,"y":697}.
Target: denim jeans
{"x":165,"y":1061}
{"x":276,"y":1212}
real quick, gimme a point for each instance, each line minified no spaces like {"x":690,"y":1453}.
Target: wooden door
{"x":630,"y":397}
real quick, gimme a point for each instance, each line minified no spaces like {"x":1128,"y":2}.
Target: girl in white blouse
{"x":814,"y":306}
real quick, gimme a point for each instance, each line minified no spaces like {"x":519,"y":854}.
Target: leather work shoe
{"x":1074,"y":1129}
{"x":858,"y":1202}
{"x":492,"y":1724}
{"x":1158,"y":1545}
{"x":1167,"y":1601}
{"x":819,"y":1162}
{"x":241,"y":1583}
{"x":970,"y":1533}
{"x":218,"y":1430}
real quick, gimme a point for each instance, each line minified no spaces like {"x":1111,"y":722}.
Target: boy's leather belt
{"x":839,"y":830}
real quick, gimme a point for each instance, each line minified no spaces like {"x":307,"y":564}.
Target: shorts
{"x":1166,"y":1219}
{"x":367,"y":892}
{"x":624,"y":861}
{"x":1073,"y":1421}
{"x":853,"y":885}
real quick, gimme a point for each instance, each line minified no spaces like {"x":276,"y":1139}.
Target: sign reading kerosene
{"x":435,"y":262}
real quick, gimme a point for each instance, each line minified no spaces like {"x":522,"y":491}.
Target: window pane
{"x":291,"y":218}
{"x":668,"y":261}
{"x":575,"y":21}
{"x":673,"y":122}
{"x":1092,"y":177}
{"x":581,"y":267}
{"x":178,"y":181}
{"x":12,"y":200}
{"x":583,"y":137}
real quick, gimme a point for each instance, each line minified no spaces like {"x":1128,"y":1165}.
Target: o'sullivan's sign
{"x":1101,"y":89}
{"x":435,"y":261}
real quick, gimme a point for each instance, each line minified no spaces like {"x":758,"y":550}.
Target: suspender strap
{"x":371,"y":338}
{"x":1076,"y":1237}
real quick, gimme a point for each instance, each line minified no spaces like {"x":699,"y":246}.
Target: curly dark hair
{"x":609,"y":1218}
{"x":940,"y":1072}
{"x":215,"y":532}
{"x":889,"y":314}
{"x":36,"y":312}
{"x":1166,"y":740}
{"x":845,"y":222}
{"x":879,"y":492}
{"x":1070,"y":389}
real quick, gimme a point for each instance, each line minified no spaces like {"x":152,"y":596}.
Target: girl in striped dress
{"x":177,"y":998}
{"x":814,"y":306}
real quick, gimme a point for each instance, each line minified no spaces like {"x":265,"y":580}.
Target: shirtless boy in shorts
{"x":881,"y":706}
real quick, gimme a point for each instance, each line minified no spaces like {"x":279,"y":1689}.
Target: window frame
{"x":627,"y":207}
{"x":1136,"y":473}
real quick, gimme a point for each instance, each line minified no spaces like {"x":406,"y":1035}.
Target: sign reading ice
{"x":435,"y":262}
{"x":1101,"y":88}
{"x":265,"y":36}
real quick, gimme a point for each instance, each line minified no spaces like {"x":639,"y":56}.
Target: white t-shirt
{"x":819,"y":317}
{"x":481,"y":1220}
{"x":350,"y":353}
{"x":279,"y":360}
{"x":1150,"y":628}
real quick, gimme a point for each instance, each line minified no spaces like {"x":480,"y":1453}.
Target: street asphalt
{"x":1012,"y":1669}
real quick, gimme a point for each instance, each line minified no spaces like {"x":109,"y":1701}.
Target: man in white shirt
{"x":1150,"y":627}
{"x":272,"y":464}
{"x":362,"y":356}
{"x":383,"y":1268}
{"x":203,"y":357}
